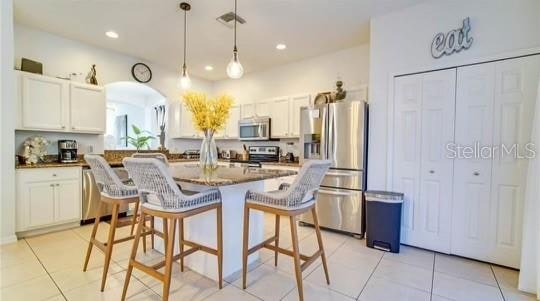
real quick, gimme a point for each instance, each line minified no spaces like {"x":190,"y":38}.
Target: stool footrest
{"x":200,"y":247}
{"x":263,"y":244}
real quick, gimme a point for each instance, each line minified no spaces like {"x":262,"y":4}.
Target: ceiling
{"x":153,"y":29}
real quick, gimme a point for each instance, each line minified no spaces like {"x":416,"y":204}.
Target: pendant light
{"x":184,"y":82}
{"x":235,"y":69}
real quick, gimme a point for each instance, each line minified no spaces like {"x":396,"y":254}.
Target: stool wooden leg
{"x":181,"y":242}
{"x":93,"y":235}
{"x":134,"y":221}
{"x":245,"y":247}
{"x":296,"y":257}
{"x":140,"y":228}
{"x":169,"y":254}
{"x":110,"y":243}
{"x":152,"y":235}
{"x":220,"y":245}
{"x":277,"y":240}
{"x":319,"y":240}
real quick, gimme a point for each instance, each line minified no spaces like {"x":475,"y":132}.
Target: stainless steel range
{"x":337,"y":132}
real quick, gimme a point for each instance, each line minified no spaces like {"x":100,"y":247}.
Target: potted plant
{"x":140,"y":140}
{"x":209,"y":116}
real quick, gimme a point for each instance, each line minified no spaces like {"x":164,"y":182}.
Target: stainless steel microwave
{"x":254,"y":128}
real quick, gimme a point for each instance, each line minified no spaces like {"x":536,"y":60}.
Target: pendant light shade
{"x":235,"y":69}
{"x":184,"y":82}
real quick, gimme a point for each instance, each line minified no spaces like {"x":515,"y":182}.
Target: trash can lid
{"x":384,"y":195}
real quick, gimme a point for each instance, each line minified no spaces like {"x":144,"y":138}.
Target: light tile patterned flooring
{"x":49,"y":267}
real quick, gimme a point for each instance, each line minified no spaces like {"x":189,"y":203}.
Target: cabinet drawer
{"x":48,"y":174}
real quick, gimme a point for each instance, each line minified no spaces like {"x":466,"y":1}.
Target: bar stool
{"x":290,"y":201}
{"x":116,"y":193}
{"x":162,"y":198}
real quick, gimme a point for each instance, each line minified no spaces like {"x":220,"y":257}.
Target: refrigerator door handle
{"x":339,"y":193}
{"x":324,"y":133}
{"x":331,"y":135}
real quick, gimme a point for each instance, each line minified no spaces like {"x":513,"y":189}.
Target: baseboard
{"x":50,"y":229}
{"x":8,"y":239}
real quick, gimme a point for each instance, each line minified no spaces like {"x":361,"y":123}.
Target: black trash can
{"x":383,"y":220}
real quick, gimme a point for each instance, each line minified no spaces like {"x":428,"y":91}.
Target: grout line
{"x":46,"y":271}
{"x":497,"y":280}
{"x":432,"y":277}
{"x":370,"y":275}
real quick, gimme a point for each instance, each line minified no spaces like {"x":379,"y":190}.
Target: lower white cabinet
{"x":48,"y":197}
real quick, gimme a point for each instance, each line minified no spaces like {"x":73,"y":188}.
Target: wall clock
{"x":141,"y":73}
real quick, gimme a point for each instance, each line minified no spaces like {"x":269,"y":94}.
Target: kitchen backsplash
{"x":87,"y":143}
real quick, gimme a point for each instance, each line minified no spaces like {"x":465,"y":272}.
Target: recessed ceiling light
{"x":281,"y":46}
{"x":208,"y":68}
{"x":112,"y":34}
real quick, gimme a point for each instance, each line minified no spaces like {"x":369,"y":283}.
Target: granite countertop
{"x":82,"y":163}
{"x":225,"y":175}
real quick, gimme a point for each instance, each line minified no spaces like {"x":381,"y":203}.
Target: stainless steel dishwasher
{"x":92,"y":196}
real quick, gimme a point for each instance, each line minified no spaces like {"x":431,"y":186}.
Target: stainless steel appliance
{"x":337,"y":132}
{"x":92,"y":197}
{"x":259,"y":154}
{"x":192,"y":154}
{"x":67,"y":151}
{"x":254,"y":128}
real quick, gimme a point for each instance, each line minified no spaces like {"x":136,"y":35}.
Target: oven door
{"x":254,"y":131}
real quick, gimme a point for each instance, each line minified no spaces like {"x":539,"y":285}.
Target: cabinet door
{"x":297,"y":102}
{"x":188,"y":129}
{"x":263,"y":108}
{"x":87,"y":108}
{"x":38,"y":205}
{"x":67,"y":201}
{"x":248,"y":110}
{"x":279,"y":113}
{"x":44,"y":103}
{"x":232,"y":122}
{"x":472,"y":205}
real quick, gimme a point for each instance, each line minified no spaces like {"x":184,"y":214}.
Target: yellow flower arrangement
{"x":208,"y":113}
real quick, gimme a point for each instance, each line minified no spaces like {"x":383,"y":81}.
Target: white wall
{"x":7,"y":125}
{"x":311,"y":75}
{"x":400,"y":43}
{"x":61,"y":56}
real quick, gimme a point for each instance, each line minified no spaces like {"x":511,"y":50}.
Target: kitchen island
{"x":233,"y":182}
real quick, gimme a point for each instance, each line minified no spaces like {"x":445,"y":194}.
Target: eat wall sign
{"x":453,"y":41}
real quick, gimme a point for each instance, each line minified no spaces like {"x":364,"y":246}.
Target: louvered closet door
{"x":424,"y":120}
{"x":472,"y":210}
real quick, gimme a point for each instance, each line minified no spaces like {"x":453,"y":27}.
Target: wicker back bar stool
{"x":289,"y":201}
{"x":116,"y":193}
{"x":161,"y":157}
{"x":161,"y":197}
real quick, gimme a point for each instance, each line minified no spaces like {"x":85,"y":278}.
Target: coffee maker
{"x":67,"y":151}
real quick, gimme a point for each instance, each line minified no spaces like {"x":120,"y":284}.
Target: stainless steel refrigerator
{"x":337,"y":132}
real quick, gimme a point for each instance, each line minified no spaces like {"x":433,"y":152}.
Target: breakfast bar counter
{"x":233,"y":182}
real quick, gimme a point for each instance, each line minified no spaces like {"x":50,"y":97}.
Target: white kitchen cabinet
{"x":87,"y":107}
{"x":57,"y":105}
{"x":187,"y":128}
{"x":278,"y":110}
{"x":297,"y":102}
{"x":44,"y":102}
{"x":263,"y":108}
{"x":231,"y":128}
{"x":48,"y":197}
{"x":248,"y":110}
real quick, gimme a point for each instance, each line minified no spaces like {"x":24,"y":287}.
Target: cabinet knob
{"x":54,"y":175}
{"x":476,"y":173}
{"x":73,"y":128}
{"x":52,"y":185}
{"x":431,"y":171}
{"x":63,"y":126}
{"x":57,"y":185}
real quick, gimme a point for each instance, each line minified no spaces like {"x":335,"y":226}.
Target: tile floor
{"x":49,"y":267}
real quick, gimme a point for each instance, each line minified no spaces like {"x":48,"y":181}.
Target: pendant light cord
{"x":185,"y":33}
{"x":235,"y":18}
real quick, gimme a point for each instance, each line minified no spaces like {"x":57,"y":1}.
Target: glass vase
{"x":208,"y":153}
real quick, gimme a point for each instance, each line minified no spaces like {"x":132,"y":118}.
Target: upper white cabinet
{"x":231,"y":128}
{"x":44,"y":102}
{"x":51,"y":104}
{"x":187,"y":128}
{"x":87,"y":107}
{"x":279,"y":112}
{"x":297,"y":102}
{"x":248,"y":110}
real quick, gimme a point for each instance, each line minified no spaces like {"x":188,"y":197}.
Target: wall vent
{"x":228,"y":19}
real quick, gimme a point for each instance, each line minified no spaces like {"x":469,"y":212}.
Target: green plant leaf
{"x":136,"y":130}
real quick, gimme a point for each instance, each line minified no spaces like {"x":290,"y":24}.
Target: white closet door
{"x":516,"y":83}
{"x":436,"y":168}
{"x":407,"y":132}
{"x":472,"y":209}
